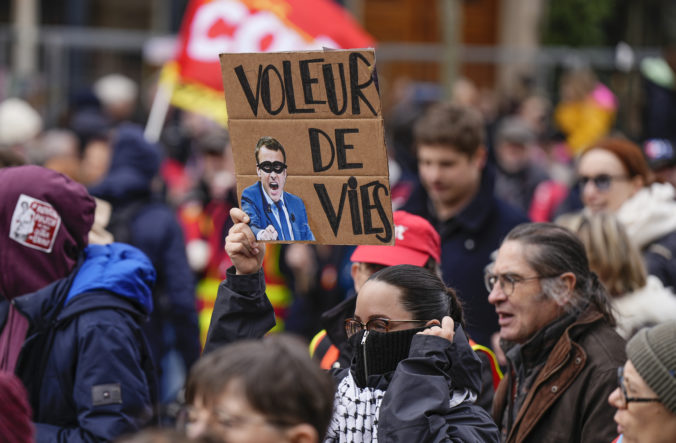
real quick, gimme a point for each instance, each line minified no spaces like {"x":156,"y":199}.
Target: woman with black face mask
{"x":413,"y":377}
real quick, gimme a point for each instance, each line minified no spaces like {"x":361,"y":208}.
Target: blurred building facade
{"x":494,"y":43}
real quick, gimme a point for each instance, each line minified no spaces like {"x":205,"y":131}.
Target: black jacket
{"x":660,"y":259}
{"x":333,"y":322}
{"x":416,"y":406}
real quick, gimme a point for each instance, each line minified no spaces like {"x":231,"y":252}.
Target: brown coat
{"x":568,"y":401}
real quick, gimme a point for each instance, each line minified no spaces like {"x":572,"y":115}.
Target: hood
{"x":134,"y":164}
{"x":44,"y":221}
{"x":117,"y":268}
{"x":647,"y":306}
{"x":650,"y":214}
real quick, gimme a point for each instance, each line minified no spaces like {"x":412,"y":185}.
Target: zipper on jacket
{"x":363,"y":346}
{"x":550,"y":375}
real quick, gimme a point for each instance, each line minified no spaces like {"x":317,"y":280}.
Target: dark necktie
{"x":282,"y":221}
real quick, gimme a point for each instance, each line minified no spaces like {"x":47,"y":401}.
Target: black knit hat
{"x":653,"y":353}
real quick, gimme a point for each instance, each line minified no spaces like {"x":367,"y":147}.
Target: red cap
{"x":415,"y":241}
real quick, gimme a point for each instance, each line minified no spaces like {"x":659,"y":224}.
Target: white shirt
{"x":275,"y":212}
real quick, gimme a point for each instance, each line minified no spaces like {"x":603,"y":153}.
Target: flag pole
{"x":158,"y":111}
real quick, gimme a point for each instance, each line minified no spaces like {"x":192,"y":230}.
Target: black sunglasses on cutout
{"x":268,"y":167}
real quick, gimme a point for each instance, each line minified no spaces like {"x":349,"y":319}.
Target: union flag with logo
{"x":211,"y":27}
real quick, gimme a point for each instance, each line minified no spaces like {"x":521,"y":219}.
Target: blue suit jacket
{"x":256,"y":206}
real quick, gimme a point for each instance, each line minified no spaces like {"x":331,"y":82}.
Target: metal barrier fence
{"x":62,"y":66}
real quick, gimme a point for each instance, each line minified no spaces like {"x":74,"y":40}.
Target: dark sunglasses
{"x":268,"y":167}
{"x":601,"y":182}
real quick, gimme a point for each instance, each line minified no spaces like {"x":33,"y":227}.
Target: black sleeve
{"x":659,"y":261}
{"x":424,"y":401}
{"x":242,"y":310}
{"x":485,"y":399}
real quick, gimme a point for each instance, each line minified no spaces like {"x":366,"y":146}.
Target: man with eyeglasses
{"x":275,"y":214}
{"x":556,"y":329}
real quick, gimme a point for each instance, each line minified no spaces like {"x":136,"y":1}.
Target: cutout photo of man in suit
{"x":275,"y":214}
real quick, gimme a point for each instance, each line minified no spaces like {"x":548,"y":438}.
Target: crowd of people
{"x":528,"y":296}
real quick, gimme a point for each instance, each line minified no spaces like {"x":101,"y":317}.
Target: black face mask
{"x":379,"y":352}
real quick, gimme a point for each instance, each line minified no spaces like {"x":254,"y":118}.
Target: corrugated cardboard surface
{"x":333,"y":153}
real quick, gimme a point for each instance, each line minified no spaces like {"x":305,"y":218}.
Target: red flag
{"x":211,"y":27}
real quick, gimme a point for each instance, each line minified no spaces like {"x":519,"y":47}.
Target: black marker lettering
{"x":355,"y":87}
{"x":353,"y":199}
{"x":315,"y":148}
{"x":265,"y":92}
{"x":367,"y":207}
{"x":327,"y":206}
{"x":330,"y":85}
{"x":288,"y":88}
{"x":381,"y":211}
{"x":341,"y":147}
{"x":244,"y":82}
{"x":307,"y":81}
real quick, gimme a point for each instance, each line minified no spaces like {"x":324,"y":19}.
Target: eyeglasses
{"x":508,"y":281}
{"x":268,"y":167}
{"x":353,"y":326}
{"x":189,"y":415}
{"x":602,"y":182}
{"x":626,"y":399}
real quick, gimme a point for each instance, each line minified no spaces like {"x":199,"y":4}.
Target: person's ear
{"x":434,"y":322}
{"x":360,"y":272}
{"x":637,"y":183}
{"x":302,"y":433}
{"x":258,"y":172}
{"x":354,"y":273}
{"x":568,"y":280}
{"x":480,"y":156}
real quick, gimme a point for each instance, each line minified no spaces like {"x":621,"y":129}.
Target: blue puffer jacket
{"x":85,"y":361}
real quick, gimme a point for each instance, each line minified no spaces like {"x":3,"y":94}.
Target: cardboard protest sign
{"x":308,"y":145}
